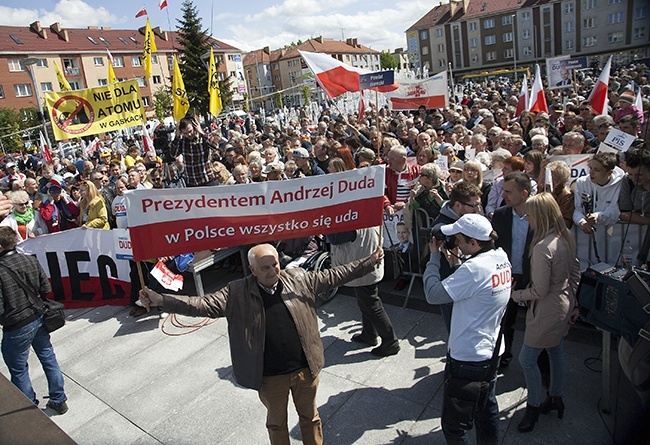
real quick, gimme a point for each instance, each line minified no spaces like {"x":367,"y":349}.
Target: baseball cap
{"x":10,"y":164}
{"x":300,"y":153}
{"x":471,"y":225}
{"x":272,"y":167}
{"x":458,"y":165}
{"x":55,"y":183}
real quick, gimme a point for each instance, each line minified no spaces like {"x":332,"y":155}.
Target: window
{"x":231,"y":57}
{"x":219,"y":58}
{"x":640,"y":13}
{"x":296,"y":62}
{"x":104,"y":41}
{"x":614,"y":37}
{"x":156,"y":80}
{"x":639,"y":33}
{"x":76,"y":85}
{"x":506,"y":20}
{"x":15,"y":38}
{"x":425,"y":50}
{"x":233,"y":74}
{"x":525,"y":34}
{"x":591,"y":4}
{"x":42,"y":63}
{"x":93,"y":41}
{"x":616,"y":17}
{"x":589,"y":23}
{"x":102,"y":82}
{"x":118,"y":62}
{"x":154,"y":59}
{"x":473,"y":42}
{"x":490,"y":40}
{"x":611,"y":2}
{"x":568,"y":26}
{"x":2,"y":92}
{"x":568,"y":8}
{"x":121,"y":39}
{"x":590,"y":41}
{"x":491,"y":55}
{"x":136,"y":61}
{"x":472,"y":26}
{"x":142,"y":82}
{"x":489,"y":23}
{"x":424,"y":35}
{"x":507,"y":37}
{"x":442,"y":63}
{"x":15,"y":65}
{"x":146,"y":101}
{"x":474,"y":58}
{"x":439,"y":32}
{"x":288,"y":62}
{"x":276,"y":78}
{"x":23,"y":90}
{"x":98,"y":61}
{"x":508,"y":53}
{"x":525,"y":16}
{"x":134,"y":40}
{"x":441,"y":48}
{"x":568,"y":44}
{"x":275,"y":66}
{"x":528,"y":50}
{"x":46,"y":86}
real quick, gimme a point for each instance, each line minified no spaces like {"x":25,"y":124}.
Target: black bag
{"x":393,"y":263}
{"x":463,"y":399}
{"x":53,"y":314}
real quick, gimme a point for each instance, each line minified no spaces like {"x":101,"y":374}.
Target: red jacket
{"x":390,"y":195}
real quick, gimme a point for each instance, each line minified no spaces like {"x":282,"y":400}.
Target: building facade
{"x":481,"y":35}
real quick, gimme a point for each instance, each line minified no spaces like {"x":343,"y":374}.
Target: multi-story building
{"x":479,"y":35}
{"x":288,"y":72}
{"x":82,"y":55}
{"x":257,"y":66}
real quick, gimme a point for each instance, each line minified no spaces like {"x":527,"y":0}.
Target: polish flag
{"x":147,"y":143}
{"x":537,"y":96}
{"x":524,"y":99}
{"x":47,"y":155}
{"x":336,"y":77}
{"x":141,"y":12}
{"x":162,"y":5}
{"x":110,"y":56}
{"x":362,"y":105}
{"x":638,"y":103}
{"x":598,"y":96}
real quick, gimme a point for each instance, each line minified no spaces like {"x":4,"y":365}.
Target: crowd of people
{"x":475,"y":168}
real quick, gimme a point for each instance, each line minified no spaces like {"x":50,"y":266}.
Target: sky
{"x":244,"y":24}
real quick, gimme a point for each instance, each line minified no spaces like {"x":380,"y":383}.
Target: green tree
{"x":193,"y":57}
{"x":277,"y":97}
{"x":305,"y":94}
{"x":163,"y":103}
{"x":11,"y":122}
{"x":387,"y":60}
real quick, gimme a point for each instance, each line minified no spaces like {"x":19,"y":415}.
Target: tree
{"x":306,"y":94}
{"x":387,"y":60}
{"x":193,"y":57}
{"x":163,"y":103}
{"x":10,"y":124}
{"x":277,"y":98}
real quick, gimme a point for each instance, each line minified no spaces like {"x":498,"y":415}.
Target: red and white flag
{"x":638,"y":101}
{"x":598,"y":96}
{"x":162,"y":5}
{"x":168,"y":279}
{"x":362,"y":105}
{"x":147,"y":143}
{"x":537,"y":96}
{"x":110,"y":56}
{"x":336,"y":77}
{"x":524,"y":99}
{"x":47,"y":155}
{"x":141,"y":12}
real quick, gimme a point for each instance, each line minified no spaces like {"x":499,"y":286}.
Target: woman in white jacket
{"x":24,"y":220}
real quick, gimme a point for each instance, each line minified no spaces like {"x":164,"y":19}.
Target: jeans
{"x":487,"y":421}
{"x":15,"y":351}
{"x":528,"y":360}
{"x":374,"y":318}
{"x":274,"y":394}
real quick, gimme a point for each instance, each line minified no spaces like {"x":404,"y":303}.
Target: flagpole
{"x":451,"y":79}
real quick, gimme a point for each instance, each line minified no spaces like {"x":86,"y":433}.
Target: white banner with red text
{"x":173,"y":221}
{"x":432,"y":93}
{"x":82,"y":266}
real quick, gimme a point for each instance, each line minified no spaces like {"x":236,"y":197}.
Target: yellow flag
{"x":63,"y":83}
{"x":181,"y":104}
{"x":149,"y":49}
{"x":111,"y":74}
{"x":213,"y":87}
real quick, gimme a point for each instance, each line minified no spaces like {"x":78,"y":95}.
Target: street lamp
{"x":514,"y":45}
{"x":29,"y":62}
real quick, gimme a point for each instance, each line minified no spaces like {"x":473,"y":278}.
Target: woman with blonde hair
{"x":336,"y":165}
{"x":92,"y":210}
{"x":473,"y":173}
{"x":552,"y":306}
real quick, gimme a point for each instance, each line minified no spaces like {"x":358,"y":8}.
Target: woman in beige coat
{"x":552,"y":306}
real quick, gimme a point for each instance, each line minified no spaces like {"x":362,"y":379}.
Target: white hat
{"x":300,"y":153}
{"x":472,"y":225}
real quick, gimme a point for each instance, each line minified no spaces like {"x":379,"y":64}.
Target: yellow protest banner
{"x":181,"y":104}
{"x":95,"y":110}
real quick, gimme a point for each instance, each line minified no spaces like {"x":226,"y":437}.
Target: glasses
{"x":474,"y":206}
{"x":21,"y":203}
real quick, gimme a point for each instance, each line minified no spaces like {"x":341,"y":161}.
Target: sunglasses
{"x":21,"y":203}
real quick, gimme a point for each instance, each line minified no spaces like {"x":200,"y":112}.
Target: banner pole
{"x":142,"y":284}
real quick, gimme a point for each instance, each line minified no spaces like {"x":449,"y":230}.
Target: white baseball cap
{"x":472,"y":225}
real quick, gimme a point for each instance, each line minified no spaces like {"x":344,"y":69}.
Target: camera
{"x":449,"y":241}
{"x":162,"y":142}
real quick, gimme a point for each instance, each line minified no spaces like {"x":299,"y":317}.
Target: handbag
{"x":393,"y":261}
{"x":463,"y":398}
{"x":52,"y":310}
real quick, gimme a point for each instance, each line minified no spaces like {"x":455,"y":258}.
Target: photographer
{"x":195,"y":148}
{"x":479,"y":289}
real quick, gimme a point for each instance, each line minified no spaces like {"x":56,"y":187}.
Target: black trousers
{"x":374,"y":318}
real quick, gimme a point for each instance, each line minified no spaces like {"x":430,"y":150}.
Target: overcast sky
{"x":245,"y":24}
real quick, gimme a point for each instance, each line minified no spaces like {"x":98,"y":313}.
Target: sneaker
{"x":385,"y":350}
{"x":60,"y":407}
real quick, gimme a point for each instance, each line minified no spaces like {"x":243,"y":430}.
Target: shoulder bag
{"x":393,"y":261}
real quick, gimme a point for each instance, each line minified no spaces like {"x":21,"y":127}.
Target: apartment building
{"x":82,"y":55}
{"x":481,"y":35}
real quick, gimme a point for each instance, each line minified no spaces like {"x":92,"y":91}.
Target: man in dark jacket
{"x":22,"y":323}
{"x":288,"y":356}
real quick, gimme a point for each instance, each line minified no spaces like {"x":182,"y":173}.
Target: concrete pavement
{"x":130,"y":383}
